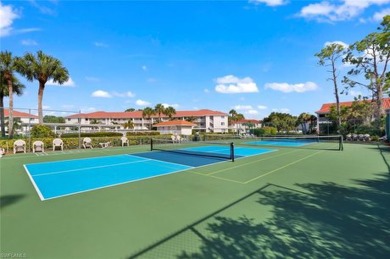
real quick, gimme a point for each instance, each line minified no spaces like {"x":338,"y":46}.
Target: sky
{"x":255,"y":56}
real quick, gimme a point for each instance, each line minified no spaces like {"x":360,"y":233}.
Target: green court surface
{"x":291,"y":203}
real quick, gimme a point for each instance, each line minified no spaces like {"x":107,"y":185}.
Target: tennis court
{"x":295,"y":202}
{"x":62,"y":178}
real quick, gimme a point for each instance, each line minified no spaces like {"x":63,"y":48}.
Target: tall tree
{"x":235,"y":116}
{"x":331,"y":56}
{"x":42,"y":68}
{"x":159,"y":109}
{"x":147,"y":113}
{"x":281,"y":121}
{"x":7,"y":68}
{"x":17,"y":88}
{"x":303,"y":120}
{"x":170,"y":111}
{"x":371,"y":57}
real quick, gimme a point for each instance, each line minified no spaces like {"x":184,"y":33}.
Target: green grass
{"x":297,"y":203}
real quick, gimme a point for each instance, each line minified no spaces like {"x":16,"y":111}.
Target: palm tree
{"x":159,"y":109}
{"x":128,"y":125}
{"x":43,"y":68}
{"x":17,"y":88}
{"x":170,"y":111}
{"x":148,"y":112}
{"x":302,"y":120}
{"x":7,"y":68}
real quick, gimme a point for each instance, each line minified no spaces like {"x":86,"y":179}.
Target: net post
{"x":151,"y":144}
{"x":232,"y":151}
{"x":341,"y":144}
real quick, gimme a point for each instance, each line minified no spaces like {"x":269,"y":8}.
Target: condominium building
{"x":205,"y":120}
{"x":323,"y":120}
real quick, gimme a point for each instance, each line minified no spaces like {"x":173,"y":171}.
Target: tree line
{"x":159,"y":109}
{"x":369,"y":59}
{"x":40,"y":67}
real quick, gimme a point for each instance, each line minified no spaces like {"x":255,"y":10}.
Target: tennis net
{"x":221,"y":150}
{"x":334,"y":142}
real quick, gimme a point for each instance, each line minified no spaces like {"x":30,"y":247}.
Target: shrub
{"x":265,"y":131}
{"x":41,"y":131}
{"x":92,"y":134}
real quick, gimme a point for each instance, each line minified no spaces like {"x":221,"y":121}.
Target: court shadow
{"x":6,"y":200}
{"x":324,"y":220}
{"x":383,"y":150}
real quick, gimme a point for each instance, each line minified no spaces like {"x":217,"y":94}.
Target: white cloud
{"x":268,"y":2}
{"x":243,"y":107}
{"x":339,"y":11}
{"x":288,"y":88}
{"x":140,"y":102}
{"x":144,"y":68}
{"x":262,"y":107}
{"x":126,"y":94}
{"x":105,"y":94}
{"x":26,"y":30}
{"x":232,"y":85}
{"x":101,"y":94}
{"x":68,"y":83}
{"x":8,"y":15}
{"x":44,"y":8}
{"x":29,"y":42}
{"x":175,"y":105}
{"x":252,"y":112}
{"x":281,"y":110}
{"x":378,"y":16}
{"x":345,"y":45}
{"x":100,"y":44}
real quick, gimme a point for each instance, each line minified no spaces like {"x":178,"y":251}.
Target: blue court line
{"x":52,"y":181}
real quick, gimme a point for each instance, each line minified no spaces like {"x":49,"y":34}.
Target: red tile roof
{"x":325,"y":108}
{"x":18,"y":114}
{"x":138,"y":114}
{"x":175,"y":123}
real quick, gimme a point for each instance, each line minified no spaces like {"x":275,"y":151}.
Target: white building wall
{"x":220,"y":124}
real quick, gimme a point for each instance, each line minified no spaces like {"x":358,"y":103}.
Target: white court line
{"x":34,"y":184}
{"x":75,"y":159}
{"x":107,"y":186}
{"x":89,"y":168}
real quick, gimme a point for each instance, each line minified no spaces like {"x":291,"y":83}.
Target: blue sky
{"x":252,"y":56}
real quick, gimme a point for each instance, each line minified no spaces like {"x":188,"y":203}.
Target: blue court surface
{"x":62,"y":178}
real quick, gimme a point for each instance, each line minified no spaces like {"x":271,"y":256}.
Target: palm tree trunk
{"x":40,"y":97}
{"x":11,"y":108}
{"x":336,"y":93}
{"x":2,"y":114}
